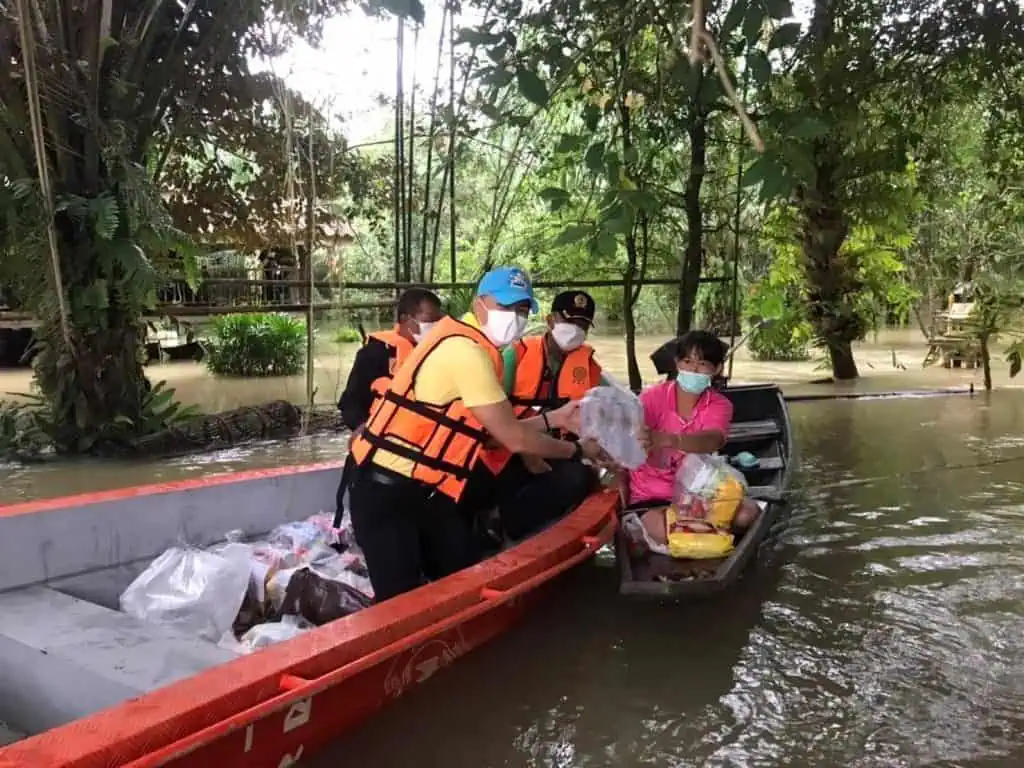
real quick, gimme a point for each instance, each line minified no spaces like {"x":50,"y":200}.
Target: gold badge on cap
{"x":580,"y":301}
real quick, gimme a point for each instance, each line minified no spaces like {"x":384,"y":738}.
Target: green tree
{"x":867,"y":76}
{"x":95,"y":93}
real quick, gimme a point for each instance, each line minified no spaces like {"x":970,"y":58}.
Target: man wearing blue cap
{"x":423,"y":437}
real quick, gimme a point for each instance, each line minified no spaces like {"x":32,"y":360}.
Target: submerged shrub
{"x":257,"y":344}
{"x":787,"y":336}
{"x":347,"y":334}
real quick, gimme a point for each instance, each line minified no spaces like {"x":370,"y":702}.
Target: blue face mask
{"x":694,"y":383}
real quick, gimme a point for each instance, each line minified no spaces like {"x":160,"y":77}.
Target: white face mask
{"x":504,"y":326}
{"x":425,"y":328}
{"x":568,"y":336}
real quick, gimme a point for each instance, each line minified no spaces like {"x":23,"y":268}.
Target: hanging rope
{"x":701,"y":44}
{"x":28,"y":47}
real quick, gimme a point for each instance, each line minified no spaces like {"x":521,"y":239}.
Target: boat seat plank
{"x":765,"y":492}
{"x":62,"y":658}
{"x":754,"y":430}
{"x":767,"y":464}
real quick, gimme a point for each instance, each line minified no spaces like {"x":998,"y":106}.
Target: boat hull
{"x":281,"y":704}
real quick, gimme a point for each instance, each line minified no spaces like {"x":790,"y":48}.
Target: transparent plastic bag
{"x":708,"y":488}
{"x":195,"y":591}
{"x":614,"y":418}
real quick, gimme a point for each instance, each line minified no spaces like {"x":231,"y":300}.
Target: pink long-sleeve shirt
{"x":655,"y":478}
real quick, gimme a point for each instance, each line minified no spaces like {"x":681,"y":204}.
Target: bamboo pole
{"x":28,"y":49}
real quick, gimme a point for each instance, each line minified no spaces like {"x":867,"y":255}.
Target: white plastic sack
{"x":614,"y":418}
{"x":272,"y":632}
{"x":640,"y":543}
{"x":195,"y":591}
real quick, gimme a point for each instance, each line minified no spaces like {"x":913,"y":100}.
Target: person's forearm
{"x":547,"y":447}
{"x":700,"y":442}
{"x":538,"y":423}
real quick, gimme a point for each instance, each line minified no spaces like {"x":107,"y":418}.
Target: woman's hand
{"x":653,"y":440}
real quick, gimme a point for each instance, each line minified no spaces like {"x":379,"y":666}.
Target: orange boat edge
{"x":281,"y":704}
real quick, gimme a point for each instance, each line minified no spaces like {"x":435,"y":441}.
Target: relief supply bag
{"x":614,"y":418}
{"x":192,"y":590}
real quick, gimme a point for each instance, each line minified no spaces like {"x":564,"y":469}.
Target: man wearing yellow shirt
{"x":419,"y":445}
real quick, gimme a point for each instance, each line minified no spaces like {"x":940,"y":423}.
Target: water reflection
{"x":888,"y":633}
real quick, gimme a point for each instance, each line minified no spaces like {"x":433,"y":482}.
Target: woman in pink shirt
{"x":684,"y":416}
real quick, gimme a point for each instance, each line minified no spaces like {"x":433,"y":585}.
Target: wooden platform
{"x":953,"y":351}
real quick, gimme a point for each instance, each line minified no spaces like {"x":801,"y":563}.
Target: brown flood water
{"x":885,"y":629}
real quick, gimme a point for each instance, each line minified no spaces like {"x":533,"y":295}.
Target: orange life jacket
{"x":442,"y":440}
{"x":573,"y":377}
{"x":399,"y":349}
{"x":526,"y":396}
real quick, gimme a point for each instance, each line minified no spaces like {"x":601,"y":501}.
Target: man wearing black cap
{"x":543,"y":373}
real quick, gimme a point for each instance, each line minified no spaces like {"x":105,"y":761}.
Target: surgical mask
{"x":694,"y":383}
{"x":504,"y":326}
{"x":425,"y":328}
{"x":568,"y":336}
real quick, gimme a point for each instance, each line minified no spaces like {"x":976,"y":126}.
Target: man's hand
{"x":567,"y":417}
{"x":593,"y":451}
{"x":535,"y":464}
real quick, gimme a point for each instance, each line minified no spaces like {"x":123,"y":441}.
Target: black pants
{"x":407,"y":531}
{"x":528,"y":502}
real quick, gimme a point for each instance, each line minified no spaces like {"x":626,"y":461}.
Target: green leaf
{"x":759,"y":170}
{"x":785,"y":36}
{"x":498,"y":77}
{"x":733,"y":18}
{"x":594,"y":158}
{"x":569,"y":143}
{"x":573,"y":234}
{"x":1015,"y":356}
{"x":471,"y":36}
{"x":591,"y":117}
{"x":779,"y":9}
{"x":809,"y":127}
{"x":619,"y":220}
{"x":753,"y":22}
{"x":555,"y":197}
{"x":532,"y":87}
{"x":632,"y":156}
{"x":776,"y":185}
{"x":606,"y":244}
{"x":800,"y":163}
{"x":412,"y":9}
{"x":491,"y":111}
{"x":760,"y":67}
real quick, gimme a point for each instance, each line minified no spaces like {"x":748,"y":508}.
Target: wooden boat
{"x":99,"y":688}
{"x":760,"y":426}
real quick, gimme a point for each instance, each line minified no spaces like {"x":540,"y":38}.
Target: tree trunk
{"x":92,"y":389}
{"x":689,"y":279}
{"x":986,"y":362}
{"x":832,"y":280}
{"x":632,"y":367}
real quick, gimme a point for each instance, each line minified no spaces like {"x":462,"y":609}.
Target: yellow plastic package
{"x":697,"y":526}
{"x":695,"y":539}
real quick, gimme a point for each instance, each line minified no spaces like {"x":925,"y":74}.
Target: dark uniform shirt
{"x":372,"y":361}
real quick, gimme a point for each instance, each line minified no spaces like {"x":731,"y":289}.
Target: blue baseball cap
{"x":507,"y":286}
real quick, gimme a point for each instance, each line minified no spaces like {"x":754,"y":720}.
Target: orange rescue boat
{"x":99,"y":688}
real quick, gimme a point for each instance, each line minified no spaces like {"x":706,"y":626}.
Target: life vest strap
{"x":435,"y":415}
{"x":415,"y":456}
